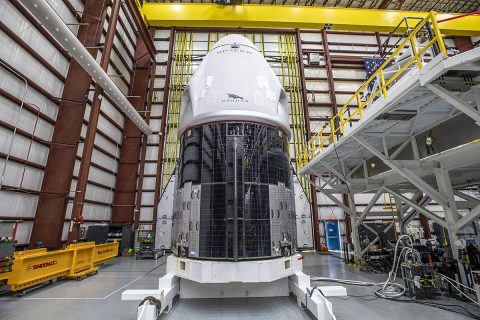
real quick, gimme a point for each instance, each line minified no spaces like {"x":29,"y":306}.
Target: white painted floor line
{"x":125,"y":285}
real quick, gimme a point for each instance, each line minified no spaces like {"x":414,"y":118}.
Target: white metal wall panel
{"x":93,"y":211}
{"x":154,"y":138}
{"x":17,"y":205}
{"x":115,"y":59}
{"x":330,"y":213}
{"x":76,"y":168}
{"x":16,"y":22}
{"x":146,"y":214}
{"x":150,"y":168}
{"x":102,"y":159}
{"x":152,"y":153}
{"x":132,"y":30}
{"x":27,"y":120}
{"x":99,"y":194}
{"x":19,"y":58}
{"x":68,"y":213}
{"x":149,"y":183}
{"x":64,"y":12}
{"x":20,"y":147}
{"x":117,"y":80}
{"x":112,"y":112}
{"x":101,"y":176}
{"x":120,"y":45}
{"x":32,"y":177}
{"x":16,"y":87}
{"x":107,"y":145}
{"x":109,"y":129}
{"x":23,"y":232}
{"x":147,"y":198}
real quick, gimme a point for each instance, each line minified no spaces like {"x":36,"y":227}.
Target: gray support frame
{"x":456,"y":101}
{"x":451,"y":215}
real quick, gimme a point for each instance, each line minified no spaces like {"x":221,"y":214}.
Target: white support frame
{"x":451,"y":215}
{"x":406,"y":173}
{"x":190,"y":278}
{"x":468,"y":218}
{"x":455,"y":101}
{"x":418,"y":208}
{"x":429,"y":175}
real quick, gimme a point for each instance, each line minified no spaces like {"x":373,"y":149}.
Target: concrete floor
{"x":98,"y":297}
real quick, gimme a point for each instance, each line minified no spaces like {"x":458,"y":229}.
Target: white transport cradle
{"x":277,"y":277}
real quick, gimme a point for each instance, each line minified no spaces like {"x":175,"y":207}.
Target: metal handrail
{"x":335,"y":127}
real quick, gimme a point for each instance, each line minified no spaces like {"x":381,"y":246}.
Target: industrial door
{"x":333,"y":236}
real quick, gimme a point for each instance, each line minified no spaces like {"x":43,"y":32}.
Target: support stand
{"x":190,"y":278}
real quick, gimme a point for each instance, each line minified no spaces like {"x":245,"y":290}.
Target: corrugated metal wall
{"x":46,"y":67}
{"x":103,"y":171}
{"x":45,"y":70}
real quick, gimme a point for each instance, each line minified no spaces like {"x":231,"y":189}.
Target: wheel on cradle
{"x":155,"y":256}
{"x":20,"y":293}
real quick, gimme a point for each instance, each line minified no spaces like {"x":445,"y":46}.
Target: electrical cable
{"x":451,"y":282}
{"x":388,"y":289}
{"x":391,"y":289}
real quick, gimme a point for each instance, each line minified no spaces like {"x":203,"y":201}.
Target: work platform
{"x":423,"y":99}
{"x":381,"y":147}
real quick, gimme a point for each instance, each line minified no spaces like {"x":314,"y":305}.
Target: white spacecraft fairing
{"x":234,"y":195}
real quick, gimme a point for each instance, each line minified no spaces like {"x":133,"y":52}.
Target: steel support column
{"x":162,"y":133}
{"x":328,"y":67}
{"x":89,"y":143}
{"x":451,"y":215}
{"x":425,"y":226}
{"x":333,"y":99}
{"x":400,"y":214}
{"x":126,"y":187}
{"x":143,"y":152}
{"x":308,"y":133}
{"x":57,"y":178}
{"x":355,"y":233}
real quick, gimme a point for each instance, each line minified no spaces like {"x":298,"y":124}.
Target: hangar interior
{"x":382,"y":177}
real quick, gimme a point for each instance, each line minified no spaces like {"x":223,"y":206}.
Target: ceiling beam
{"x":307,"y":17}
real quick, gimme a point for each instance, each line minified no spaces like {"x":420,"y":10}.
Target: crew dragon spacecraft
{"x":234,"y":196}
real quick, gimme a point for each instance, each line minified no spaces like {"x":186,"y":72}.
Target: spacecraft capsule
{"x":234,"y":194}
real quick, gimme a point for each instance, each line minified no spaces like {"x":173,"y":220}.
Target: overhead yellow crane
{"x":305,"y":17}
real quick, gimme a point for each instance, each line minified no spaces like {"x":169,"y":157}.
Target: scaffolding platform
{"x":421,"y":100}
{"x":417,"y":138}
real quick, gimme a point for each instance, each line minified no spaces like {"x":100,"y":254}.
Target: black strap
{"x":154,"y":301}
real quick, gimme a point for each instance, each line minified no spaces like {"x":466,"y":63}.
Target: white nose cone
{"x":234,"y":82}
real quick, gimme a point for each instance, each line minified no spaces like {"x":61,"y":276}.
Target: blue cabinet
{"x":333,"y":236}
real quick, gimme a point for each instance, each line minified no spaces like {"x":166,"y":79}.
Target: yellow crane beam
{"x":305,"y":17}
